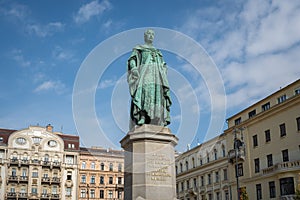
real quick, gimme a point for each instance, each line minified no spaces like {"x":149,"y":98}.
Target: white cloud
{"x":56,"y":86}
{"x":62,"y":54}
{"x":94,"y":8}
{"x":18,"y":56}
{"x":255,"y":45}
{"x":107,"y":83}
{"x":45,"y":30}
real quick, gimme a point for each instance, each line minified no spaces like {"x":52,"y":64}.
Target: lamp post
{"x":236,"y":164}
{"x":237,"y":144}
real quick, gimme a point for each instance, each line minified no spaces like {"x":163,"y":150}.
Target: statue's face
{"x":149,"y":36}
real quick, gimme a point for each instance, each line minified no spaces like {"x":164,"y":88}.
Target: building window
{"x":224,"y":151}
{"x":93,"y":165}
{"x":34,"y":190}
{"x":256,"y":164}
{"x":217,"y":177}
{"x":297,"y":91}
{"x":285,"y":155}
{"x":225,"y":177}
{"x":83,"y":165}
{"x":119,"y":180}
{"x":181,"y":170}
{"x":101,"y":180}
{"x":92,"y":193}
{"x":265,"y":106}
{"x":35,"y":174}
{"x":83,"y":179}
{"x":101,"y":194}
{"x":13,"y":172}
{"x":255,"y":142}
{"x":210,"y":197}
{"x":282,"y":130}
{"x":193,"y":162}
{"x":186,"y":165}
{"x":252,"y":114}
{"x":272,"y":189}
{"x":93,"y":179}
{"x":195,"y":182}
{"x":102,"y":166}
{"x":226,"y":195}
{"x":70,"y":159}
{"x":120,"y":167}
{"x":268,"y":135}
{"x":69,"y":176}
{"x":208,"y":178}
{"x":216,"y":154}
{"x":240,"y":171}
{"x":269,"y":160}
{"x":238,"y":121}
{"x":82,"y":193}
{"x":110,"y":194}
{"x":217,"y":195}
{"x":111,"y":167}
{"x":110,"y":180}
{"x":182,"y":187}
{"x":68,"y":191}
{"x":287,"y":186}
{"x":54,"y":189}
{"x":258,"y":192}
{"x":298,"y":123}
{"x":202,"y":180}
{"x":176,"y":169}
{"x":207,"y":157}
{"x":201,"y":162}
{"x":281,"y":98}
{"x":187,"y":184}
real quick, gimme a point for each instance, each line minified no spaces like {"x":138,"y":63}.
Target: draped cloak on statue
{"x":150,"y":92}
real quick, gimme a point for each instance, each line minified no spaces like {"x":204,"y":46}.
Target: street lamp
{"x":237,"y":145}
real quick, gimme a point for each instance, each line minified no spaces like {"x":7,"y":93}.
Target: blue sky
{"x":254,"y":45}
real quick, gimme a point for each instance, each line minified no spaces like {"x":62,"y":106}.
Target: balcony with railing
{"x":24,"y":162}
{"x":11,"y":195}
{"x":55,"y":196}
{"x":232,"y":155}
{"x":288,"y":197}
{"x":23,"y":195}
{"x":23,"y":178}
{"x":55,"y":180}
{"x":45,"y":196}
{"x":56,"y":164}
{"x":12,"y":178}
{"x":284,"y":166}
{"x":13,"y":161}
{"x":35,"y":162}
{"x":45,"y":180}
{"x":46,"y":163}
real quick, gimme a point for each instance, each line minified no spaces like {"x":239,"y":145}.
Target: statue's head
{"x":149,"y":36}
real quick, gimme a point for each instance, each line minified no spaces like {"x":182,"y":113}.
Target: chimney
{"x":49,"y":128}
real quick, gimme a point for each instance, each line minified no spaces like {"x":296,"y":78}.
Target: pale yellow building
{"x":270,"y":129}
{"x":202,"y":172}
{"x":36,"y":163}
{"x":101,"y":174}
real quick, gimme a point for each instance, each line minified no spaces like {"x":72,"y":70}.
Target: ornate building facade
{"x":202,"y":172}
{"x":101,"y":174}
{"x":36,"y":163}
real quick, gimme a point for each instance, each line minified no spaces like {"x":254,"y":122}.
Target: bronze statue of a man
{"x":148,"y":85}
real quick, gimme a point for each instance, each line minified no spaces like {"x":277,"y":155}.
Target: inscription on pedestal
{"x":158,"y":167}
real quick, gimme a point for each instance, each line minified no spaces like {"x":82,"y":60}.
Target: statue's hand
{"x":135,"y":74}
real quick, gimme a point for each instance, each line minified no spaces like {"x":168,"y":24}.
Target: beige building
{"x":101,"y":174}
{"x":269,"y":160}
{"x":36,"y":163}
{"x":264,"y":139}
{"x":202,"y":172}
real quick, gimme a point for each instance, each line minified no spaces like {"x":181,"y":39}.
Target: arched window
{"x":181,"y":167}
{"x":102,"y":166}
{"x":186,"y":165}
{"x":193,"y":162}
{"x":216,"y":154}
{"x":223,"y":151}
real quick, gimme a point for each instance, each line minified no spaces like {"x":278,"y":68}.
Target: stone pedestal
{"x":149,"y":163}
